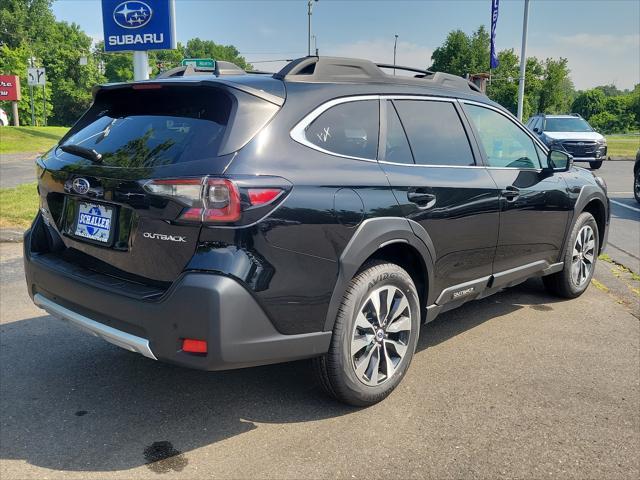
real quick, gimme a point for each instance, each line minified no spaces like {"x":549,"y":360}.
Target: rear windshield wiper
{"x":88,"y":153}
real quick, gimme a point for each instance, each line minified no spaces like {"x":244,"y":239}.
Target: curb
{"x":11,"y":235}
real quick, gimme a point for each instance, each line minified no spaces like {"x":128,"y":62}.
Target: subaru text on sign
{"x":138,"y":25}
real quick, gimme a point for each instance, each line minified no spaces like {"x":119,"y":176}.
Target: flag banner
{"x":494,"y":21}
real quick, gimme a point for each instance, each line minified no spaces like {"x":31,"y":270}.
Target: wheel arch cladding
{"x":596,"y":208}
{"x":389,"y":238}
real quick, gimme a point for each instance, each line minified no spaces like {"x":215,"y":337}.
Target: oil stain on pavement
{"x":161,"y":457}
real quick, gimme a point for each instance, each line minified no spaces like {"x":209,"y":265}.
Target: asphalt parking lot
{"x":517,"y":385}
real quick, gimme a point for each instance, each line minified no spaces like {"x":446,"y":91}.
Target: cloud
{"x":594,"y":59}
{"x":606,"y":42}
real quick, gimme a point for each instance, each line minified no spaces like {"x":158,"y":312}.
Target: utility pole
{"x":523,"y":59}
{"x":395,"y":45}
{"x":309,"y":13}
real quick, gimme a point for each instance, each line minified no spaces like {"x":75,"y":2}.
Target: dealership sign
{"x":9,"y":88}
{"x":138,"y":25}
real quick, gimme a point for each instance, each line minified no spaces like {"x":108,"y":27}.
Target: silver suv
{"x":570,"y":133}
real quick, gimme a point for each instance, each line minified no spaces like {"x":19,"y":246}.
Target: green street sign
{"x":199,"y":62}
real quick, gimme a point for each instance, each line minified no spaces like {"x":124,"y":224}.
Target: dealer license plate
{"x":94,"y":222}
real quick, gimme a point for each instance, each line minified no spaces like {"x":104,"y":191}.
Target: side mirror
{"x":536,"y":130}
{"x":558,"y":161}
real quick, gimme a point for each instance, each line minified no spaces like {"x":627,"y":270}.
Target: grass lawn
{"x":18,"y":206}
{"x":29,"y":139}
{"x":623,"y":145}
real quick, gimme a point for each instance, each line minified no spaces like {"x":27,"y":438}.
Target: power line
{"x":270,"y":61}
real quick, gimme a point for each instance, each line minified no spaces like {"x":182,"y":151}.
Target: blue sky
{"x":601,"y":38}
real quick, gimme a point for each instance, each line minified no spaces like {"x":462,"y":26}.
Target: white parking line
{"x":625,"y":205}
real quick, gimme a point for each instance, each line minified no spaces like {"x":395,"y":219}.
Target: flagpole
{"x":523,"y":58}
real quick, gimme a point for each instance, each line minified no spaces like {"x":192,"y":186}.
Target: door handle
{"x":510,"y":193}
{"x":421,"y":198}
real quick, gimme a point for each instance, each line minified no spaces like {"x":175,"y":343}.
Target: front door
{"x":534,"y":203}
{"x":430,"y":162}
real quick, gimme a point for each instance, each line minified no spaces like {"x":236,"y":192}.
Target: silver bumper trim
{"x":117,"y":337}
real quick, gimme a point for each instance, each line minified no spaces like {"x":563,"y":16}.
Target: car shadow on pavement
{"x":530,"y":294}
{"x":72,"y":402}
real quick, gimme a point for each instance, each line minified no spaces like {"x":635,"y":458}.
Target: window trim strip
{"x":297,"y":133}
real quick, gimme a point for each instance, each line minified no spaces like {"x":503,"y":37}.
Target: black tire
{"x":336,"y":370}
{"x":636,"y":186}
{"x":595,"y":165}
{"x":563,"y":283}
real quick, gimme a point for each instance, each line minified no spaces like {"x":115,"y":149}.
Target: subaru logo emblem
{"x":133,"y":14}
{"x":80,"y":186}
{"x":581,"y":144}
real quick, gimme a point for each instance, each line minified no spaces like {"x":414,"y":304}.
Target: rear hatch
{"x":124,"y":189}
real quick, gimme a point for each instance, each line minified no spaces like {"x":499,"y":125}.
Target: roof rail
{"x":354,"y":70}
{"x":221,"y":68}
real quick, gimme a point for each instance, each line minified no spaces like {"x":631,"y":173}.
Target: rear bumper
{"x":198,"y":305}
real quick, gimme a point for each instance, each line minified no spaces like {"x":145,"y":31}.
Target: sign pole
{"x":140,"y":65}
{"x":523,"y":59}
{"x":14,"y":113}
{"x":44,"y":103}
{"x":33,"y":112}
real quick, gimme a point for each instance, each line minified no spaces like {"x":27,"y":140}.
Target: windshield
{"x":574,"y":124}
{"x":160,"y":126}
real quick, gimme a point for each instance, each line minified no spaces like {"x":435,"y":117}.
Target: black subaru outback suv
{"x":218,"y":220}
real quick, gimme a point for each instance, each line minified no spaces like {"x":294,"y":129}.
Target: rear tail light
{"x":263,"y":196}
{"x":211,"y":200}
{"x":222,"y":201}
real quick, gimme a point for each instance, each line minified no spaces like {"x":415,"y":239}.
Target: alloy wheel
{"x":381,"y":335}
{"x":583,"y":255}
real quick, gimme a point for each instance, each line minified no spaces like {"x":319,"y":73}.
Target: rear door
{"x":534,"y":204}
{"x":120,"y":186}
{"x":430,"y":163}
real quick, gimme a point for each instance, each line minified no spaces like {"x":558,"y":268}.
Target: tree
{"x":610,"y":90}
{"x":556,"y":90}
{"x":504,"y":83}
{"x":589,"y":103}
{"x":197,"y":48}
{"x":119,"y":66}
{"x":461,"y":54}
{"x":23,"y":22}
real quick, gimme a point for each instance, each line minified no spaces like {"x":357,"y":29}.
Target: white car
{"x":4,"y":119}
{"x":572,"y":134}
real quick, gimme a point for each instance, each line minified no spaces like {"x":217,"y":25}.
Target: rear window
{"x":144,"y":128}
{"x":349,"y":129}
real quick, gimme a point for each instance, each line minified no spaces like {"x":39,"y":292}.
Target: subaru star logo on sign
{"x":138,"y":25}
{"x":132,"y":14}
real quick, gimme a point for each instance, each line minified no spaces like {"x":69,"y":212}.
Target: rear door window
{"x":397,"y":146}
{"x":159,"y":126}
{"x":349,"y":129}
{"x":435,"y":132}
